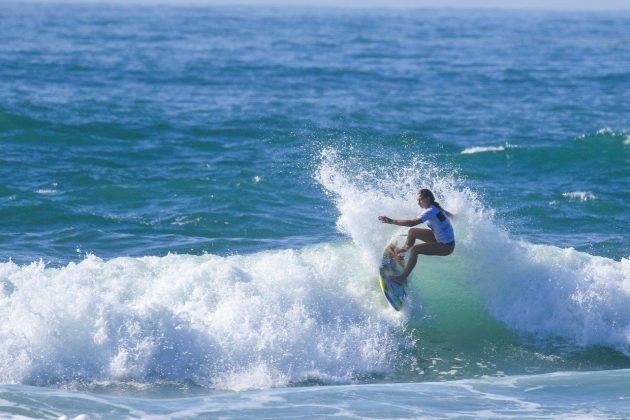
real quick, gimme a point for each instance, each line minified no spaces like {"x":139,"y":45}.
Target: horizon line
{"x":338,"y":4}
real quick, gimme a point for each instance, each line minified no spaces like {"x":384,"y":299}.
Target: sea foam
{"x":235,"y":322}
{"x":579,"y":195}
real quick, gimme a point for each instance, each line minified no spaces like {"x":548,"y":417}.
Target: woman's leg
{"x":424,"y":249}
{"x":425,"y":235}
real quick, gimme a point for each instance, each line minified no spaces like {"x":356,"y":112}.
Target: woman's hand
{"x":385,"y":219}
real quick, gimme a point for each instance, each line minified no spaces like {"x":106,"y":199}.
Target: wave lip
{"x":579,"y":196}
{"x":606,"y":133}
{"x":486,"y":149}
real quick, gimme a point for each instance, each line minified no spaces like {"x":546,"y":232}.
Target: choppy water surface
{"x":189,"y":199}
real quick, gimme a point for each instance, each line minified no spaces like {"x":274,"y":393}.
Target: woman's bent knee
{"x":449,"y":250}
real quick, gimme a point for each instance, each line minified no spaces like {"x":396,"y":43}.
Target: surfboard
{"x":393,"y":264}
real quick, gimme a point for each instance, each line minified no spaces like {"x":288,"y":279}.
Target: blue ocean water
{"x":189,"y":202}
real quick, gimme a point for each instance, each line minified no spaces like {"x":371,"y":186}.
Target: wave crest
{"x":541,"y":290}
{"x":236,"y":322}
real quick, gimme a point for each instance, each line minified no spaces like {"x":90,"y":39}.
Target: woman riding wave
{"x":439,"y":239}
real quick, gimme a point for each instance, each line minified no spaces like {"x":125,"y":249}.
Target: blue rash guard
{"x":438,"y":222}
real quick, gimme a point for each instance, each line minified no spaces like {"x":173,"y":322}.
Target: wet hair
{"x":428,"y":194}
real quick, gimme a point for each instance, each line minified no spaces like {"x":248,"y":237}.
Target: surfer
{"x":439,"y":239}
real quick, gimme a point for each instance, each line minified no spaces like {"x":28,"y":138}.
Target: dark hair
{"x":426,"y":193}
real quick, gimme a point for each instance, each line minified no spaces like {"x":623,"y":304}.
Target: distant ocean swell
{"x":605,"y":140}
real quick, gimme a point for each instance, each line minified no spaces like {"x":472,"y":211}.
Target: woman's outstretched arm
{"x":409,"y":223}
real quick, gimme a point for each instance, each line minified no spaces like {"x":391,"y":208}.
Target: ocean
{"x":189,"y":201}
